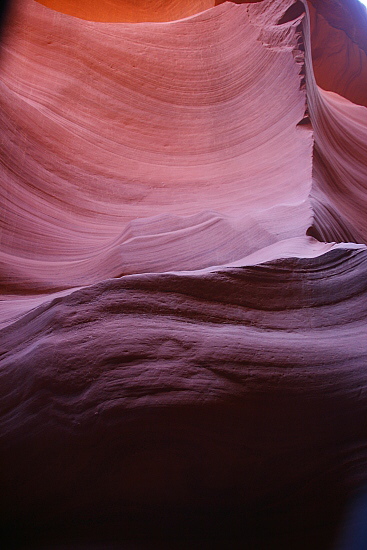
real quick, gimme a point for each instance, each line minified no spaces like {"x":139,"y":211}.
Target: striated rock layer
{"x":183,"y":272}
{"x":174,"y":154}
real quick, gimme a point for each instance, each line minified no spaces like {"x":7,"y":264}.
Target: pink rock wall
{"x":174,"y":155}
{"x":183,"y":275}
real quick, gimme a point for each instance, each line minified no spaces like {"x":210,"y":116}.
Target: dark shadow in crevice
{"x":292,"y":13}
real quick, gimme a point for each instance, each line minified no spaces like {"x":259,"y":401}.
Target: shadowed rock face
{"x":183,"y":273}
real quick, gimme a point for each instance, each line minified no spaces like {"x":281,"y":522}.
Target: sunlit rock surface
{"x":183,"y":272}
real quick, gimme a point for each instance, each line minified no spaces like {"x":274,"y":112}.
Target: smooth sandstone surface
{"x":172,"y":155}
{"x":183,"y":272}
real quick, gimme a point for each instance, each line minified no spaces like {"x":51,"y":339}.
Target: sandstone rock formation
{"x":183,"y":271}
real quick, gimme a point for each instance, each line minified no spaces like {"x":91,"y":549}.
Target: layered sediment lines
{"x":173,"y":154}
{"x":183,"y":271}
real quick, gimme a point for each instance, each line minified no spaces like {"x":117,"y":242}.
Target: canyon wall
{"x":183,"y":272}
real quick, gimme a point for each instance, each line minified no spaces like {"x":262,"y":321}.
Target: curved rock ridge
{"x":14,"y":306}
{"x":196,"y":390}
{"x":182,"y":272}
{"x":339,"y":167}
{"x":340,"y":136}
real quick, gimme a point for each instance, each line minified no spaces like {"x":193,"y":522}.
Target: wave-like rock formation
{"x":183,"y":272}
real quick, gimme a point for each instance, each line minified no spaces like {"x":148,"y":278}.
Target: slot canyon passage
{"x":183,"y":314}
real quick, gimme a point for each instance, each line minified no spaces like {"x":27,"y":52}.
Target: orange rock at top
{"x":129,"y":11}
